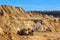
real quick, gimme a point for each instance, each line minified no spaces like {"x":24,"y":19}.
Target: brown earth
{"x":13,"y":19}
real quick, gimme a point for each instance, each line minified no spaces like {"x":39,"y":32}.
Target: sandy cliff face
{"x":12,"y":19}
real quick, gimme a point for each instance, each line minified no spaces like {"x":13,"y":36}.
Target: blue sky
{"x":42,"y":5}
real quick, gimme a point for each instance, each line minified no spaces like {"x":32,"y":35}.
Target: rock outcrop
{"x":13,"y":19}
